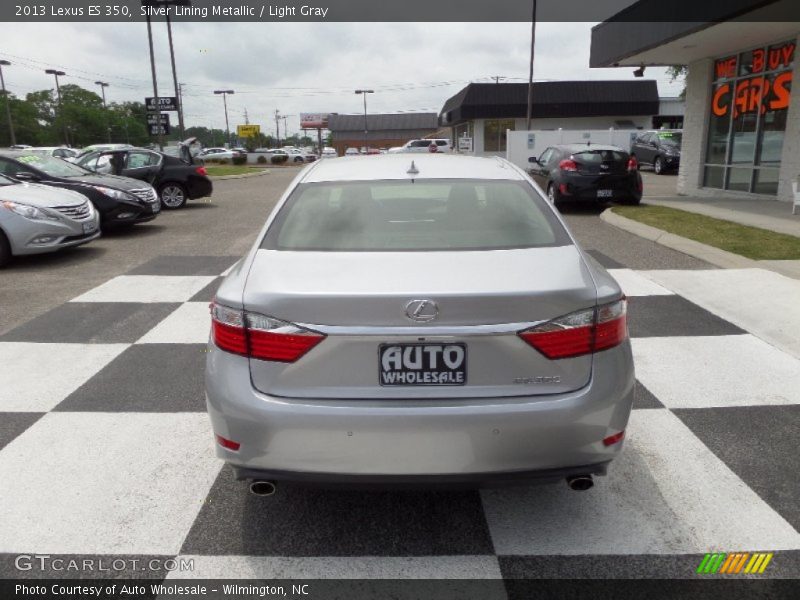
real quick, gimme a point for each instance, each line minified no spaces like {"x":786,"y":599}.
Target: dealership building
{"x":741,"y":124}
{"x":382,"y":130}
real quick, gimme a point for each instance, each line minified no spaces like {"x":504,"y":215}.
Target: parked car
{"x":119,"y":200}
{"x":175,"y":179}
{"x":659,"y":149}
{"x":424,"y":145}
{"x":587,"y":172}
{"x":350,"y":346}
{"x":37,"y":218}
{"x":102,"y":147}
{"x":351,"y":152}
{"x":56,"y":151}
{"x":220,"y":154}
{"x":328,"y":153}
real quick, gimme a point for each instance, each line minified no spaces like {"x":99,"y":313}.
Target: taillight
{"x":201,"y":171}
{"x":633,"y":164}
{"x":582,"y":332}
{"x":568,"y":165}
{"x":228,"y":444}
{"x":614,"y":439}
{"x":258,"y":336}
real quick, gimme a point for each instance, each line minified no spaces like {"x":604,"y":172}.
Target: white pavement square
{"x":36,"y":377}
{"x":762,"y":302}
{"x":146,"y":288}
{"x":340,"y":567}
{"x":666,"y":494}
{"x":105,"y":483}
{"x":188,"y":324}
{"x":633,"y":284}
{"x":716,"y":371}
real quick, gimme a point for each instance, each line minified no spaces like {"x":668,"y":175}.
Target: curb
{"x":715,"y":256}
{"x":242,"y":176}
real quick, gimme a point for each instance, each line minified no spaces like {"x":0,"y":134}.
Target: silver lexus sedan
{"x":424,"y":319}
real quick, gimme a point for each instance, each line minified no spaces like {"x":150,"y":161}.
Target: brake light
{"x":568,"y":165}
{"x":201,"y":171}
{"x":581,"y":332}
{"x":229,"y":444}
{"x":258,"y":336}
{"x":633,"y":164}
{"x":613,"y":439}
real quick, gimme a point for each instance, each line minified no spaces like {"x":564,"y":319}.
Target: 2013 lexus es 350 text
{"x":424,"y":319}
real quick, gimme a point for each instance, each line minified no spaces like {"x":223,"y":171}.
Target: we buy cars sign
{"x":161,"y":103}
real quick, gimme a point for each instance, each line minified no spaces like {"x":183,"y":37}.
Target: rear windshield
{"x":424,"y":215}
{"x":600,"y":156}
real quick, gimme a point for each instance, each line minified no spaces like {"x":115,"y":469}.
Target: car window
{"x":405,"y":216}
{"x":9,"y":168}
{"x":599,"y":156}
{"x":546,"y":155}
{"x":670,"y":138}
{"x":139,"y":160}
{"x":420,"y":144}
{"x":441,"y":142}
{"x":54,"y":167}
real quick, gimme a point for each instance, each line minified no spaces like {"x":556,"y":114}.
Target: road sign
{"x":161,"y":103}
{"x":152,"y":119}
{"x":465,"y":144}
{"x":248,"y":131}
{"x":313,"y":120}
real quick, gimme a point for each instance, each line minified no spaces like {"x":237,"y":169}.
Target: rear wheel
{"x":658,"y":165}
{"x":173,"y":195}
{"x":5,"y":250}
{"x":554,"y":196}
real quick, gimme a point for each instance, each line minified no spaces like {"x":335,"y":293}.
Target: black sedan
{"x":119,"y":200}
{"x":587,"y":172}
{"x":659,"y":149}
{"x":177,"y":179}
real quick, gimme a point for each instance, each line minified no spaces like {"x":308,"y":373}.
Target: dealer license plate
{"x":605,"y":193}
{"x":89,"y":227}
{"x":422,"y":364}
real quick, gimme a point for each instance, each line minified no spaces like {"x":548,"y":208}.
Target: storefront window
{"x":749,"y":103}
{"x":494,"y":134}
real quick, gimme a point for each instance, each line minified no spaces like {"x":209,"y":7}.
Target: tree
{"x":676,"y":72}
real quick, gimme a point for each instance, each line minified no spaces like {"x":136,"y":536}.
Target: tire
{"x":298,"y":159}
{"x":5,"y":250}
{"x":658,"y":165}
{"x":173,"y":195}
{"x":553,"y":196}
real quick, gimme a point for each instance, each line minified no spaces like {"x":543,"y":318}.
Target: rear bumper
{"x":585,"y":188}
{"x":464,"y":440}
{"x":199,"y":187}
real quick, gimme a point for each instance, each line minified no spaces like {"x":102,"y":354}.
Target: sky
{"x":299,"y":67}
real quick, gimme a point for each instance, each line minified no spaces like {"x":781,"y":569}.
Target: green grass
{"x":751,"y":242}
{"x":220,"y":170}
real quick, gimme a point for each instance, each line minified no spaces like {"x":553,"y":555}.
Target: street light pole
{"x":530,"y":72}
{"x":5,"y":63}
{"x":364,"y":93}
{"x":55,"y":73}
{"x":155,"y":82}
{"x":224,"y":94}
{"x":103,"y":85}
{"x":178,"y":94}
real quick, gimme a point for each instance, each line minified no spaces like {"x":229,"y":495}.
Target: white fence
{"x":520,"y":145}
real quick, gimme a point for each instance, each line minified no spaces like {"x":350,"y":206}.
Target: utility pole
{"x":175,"y":78}
{"x":364,"y":93}
{"x":5,"y":63}
{"x":277,"y":128}
{"x":55,"y":73}
{"x":224,"y":94}
{"x":497,"y":78}
{"x":530,"y":72}
{"x":246,"y":118}
{"x":103,"y":85}
{"x":285,"y":130}
{"x":155,"y":83}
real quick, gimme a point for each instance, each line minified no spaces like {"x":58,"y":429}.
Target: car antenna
{"x":412,"y":170}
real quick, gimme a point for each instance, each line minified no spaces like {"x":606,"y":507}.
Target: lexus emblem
{"x":422,"y":311}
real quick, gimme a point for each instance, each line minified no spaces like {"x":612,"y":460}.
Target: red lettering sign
{"x":725,"y":68}
{"x":753,"y":95}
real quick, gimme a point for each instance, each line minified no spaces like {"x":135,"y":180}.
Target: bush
{"x":240,"y":160}
{"x":262,"y":160}
{"x":277,"y":159}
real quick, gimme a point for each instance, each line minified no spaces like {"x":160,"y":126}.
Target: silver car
{"x":38,"y":218}
{"x":418,"y":319}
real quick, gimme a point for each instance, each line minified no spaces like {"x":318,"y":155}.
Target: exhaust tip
{"x":580,"y":483}
{"x":262,"y":488}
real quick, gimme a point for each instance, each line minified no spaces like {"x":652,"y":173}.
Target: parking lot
{"x":106,"y":451}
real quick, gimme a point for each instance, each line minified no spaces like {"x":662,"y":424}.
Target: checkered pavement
{"x":105,"y":451}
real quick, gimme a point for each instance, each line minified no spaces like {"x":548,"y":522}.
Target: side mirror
{"x":533,"y":159}
{"x":25,"y":176}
